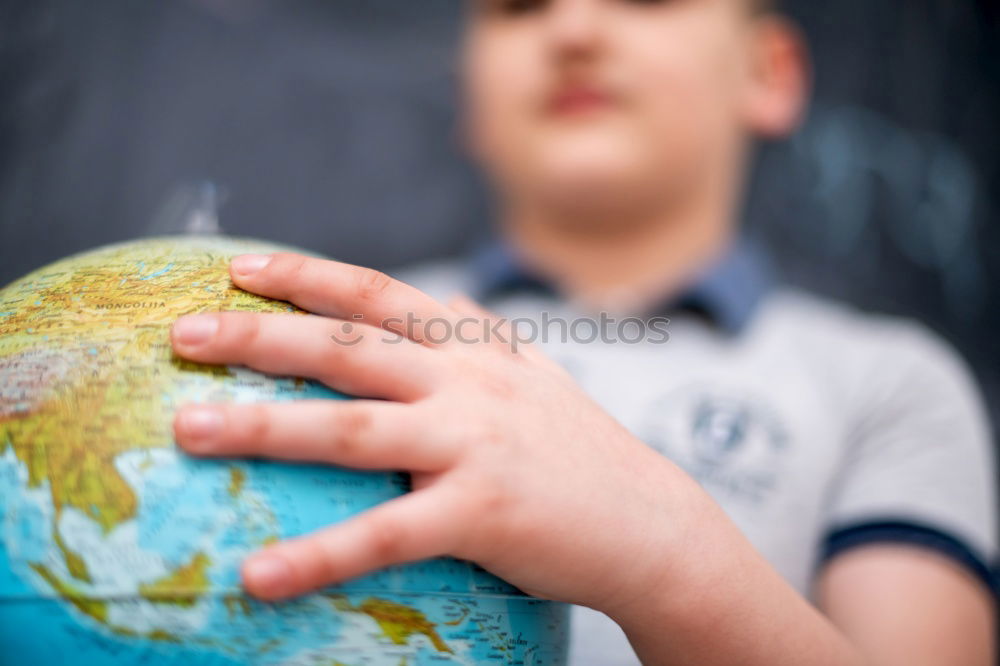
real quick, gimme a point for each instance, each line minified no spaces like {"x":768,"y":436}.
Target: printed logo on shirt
{"x":732,"y":443}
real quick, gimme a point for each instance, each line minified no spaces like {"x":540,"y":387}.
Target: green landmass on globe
{"x":115,"y":547}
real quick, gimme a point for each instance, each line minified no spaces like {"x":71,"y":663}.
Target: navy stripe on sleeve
{"x":907,"y":532}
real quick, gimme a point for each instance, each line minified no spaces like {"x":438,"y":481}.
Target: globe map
{"x":116,"y":547}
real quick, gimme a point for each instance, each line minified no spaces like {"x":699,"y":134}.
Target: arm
{"x":911,"y":522}
{"x":513,"y":467}
{"x":727,"y":605}
{"x":885,"y":605}
{"x":909,"y":607}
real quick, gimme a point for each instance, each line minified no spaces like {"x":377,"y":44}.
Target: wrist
{"x":713,"y":598}
{"x":688,"y":547}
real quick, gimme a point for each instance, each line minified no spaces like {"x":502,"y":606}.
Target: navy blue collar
{"x":728,"y":292}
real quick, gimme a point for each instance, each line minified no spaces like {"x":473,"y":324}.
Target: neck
{"x":623,"y":262}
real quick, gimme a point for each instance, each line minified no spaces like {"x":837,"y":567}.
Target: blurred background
{"x":330,"y":124}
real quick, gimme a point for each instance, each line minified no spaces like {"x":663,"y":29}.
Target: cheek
{"x":685,"y":100}
{"x":501,"y":85}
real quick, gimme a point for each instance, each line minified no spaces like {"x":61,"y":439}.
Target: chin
{"x":590,"y":184}
{"x":592,"y":201}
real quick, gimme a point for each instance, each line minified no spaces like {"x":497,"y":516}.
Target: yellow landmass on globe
{"x":110,"y":319}
{"x":396,"y":620}
{"x":237,"y":479}
{"x":183,"y":586}
{"x":74,"y":563}
{"x":236,"y":605}
{"x":95,"y":608}
{"x":87,"y":371}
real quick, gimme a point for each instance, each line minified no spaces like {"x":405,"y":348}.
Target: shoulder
{"x":901,"y":389}
{"x":870,"y":345}
{"x":918,"y":463}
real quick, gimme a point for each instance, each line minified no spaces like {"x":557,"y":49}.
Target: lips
{"x":578,"y":99}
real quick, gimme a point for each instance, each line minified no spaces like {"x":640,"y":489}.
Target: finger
{"x":363,"y":361}
{"x":416,"y":526}
{"x":342,"y":290}
{"x":364,"y":434}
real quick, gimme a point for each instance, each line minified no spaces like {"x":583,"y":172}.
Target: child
{"x":780,"y":480}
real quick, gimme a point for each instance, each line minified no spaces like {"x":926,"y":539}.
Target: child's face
{"x":585,"y":100}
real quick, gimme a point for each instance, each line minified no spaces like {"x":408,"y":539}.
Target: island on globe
{"x":117,"y":548}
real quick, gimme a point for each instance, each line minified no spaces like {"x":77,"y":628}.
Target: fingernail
{"x":248,"y":264}
{"x":200,"y":422}
{"x":267,"y":574}
{"x":195,"y":329}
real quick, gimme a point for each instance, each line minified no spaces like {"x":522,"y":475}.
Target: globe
{"x":117,"y":547}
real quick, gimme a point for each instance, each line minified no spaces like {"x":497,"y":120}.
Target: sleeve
{"x":919,"y":464}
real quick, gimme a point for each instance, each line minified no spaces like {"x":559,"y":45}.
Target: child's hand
{"x":513,"y":466}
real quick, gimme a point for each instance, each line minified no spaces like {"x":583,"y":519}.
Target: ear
{"x":779,"y":77}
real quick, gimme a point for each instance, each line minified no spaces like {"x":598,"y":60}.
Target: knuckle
{"x":317,"y":561}
{"x":465,"y":365}
{"x":237,"y":330}
{"x":295,"y":274}
{"x":257,"y":425}
{"x":486,"y":374}
{"x":385,"y":538}
{"x":498,"y":386}
{"x":338,"y":360}
{"x":372,"y":285}
{"x":460,"y":365}
{"x":288,"y":264}
{"x":487,"y":500}
{"x":488,"y":435}
{"x":495,"y":503}
{"x":490,"y":496}
{"x":350,"y":426}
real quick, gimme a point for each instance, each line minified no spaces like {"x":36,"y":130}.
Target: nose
{"x":574,"y":27}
